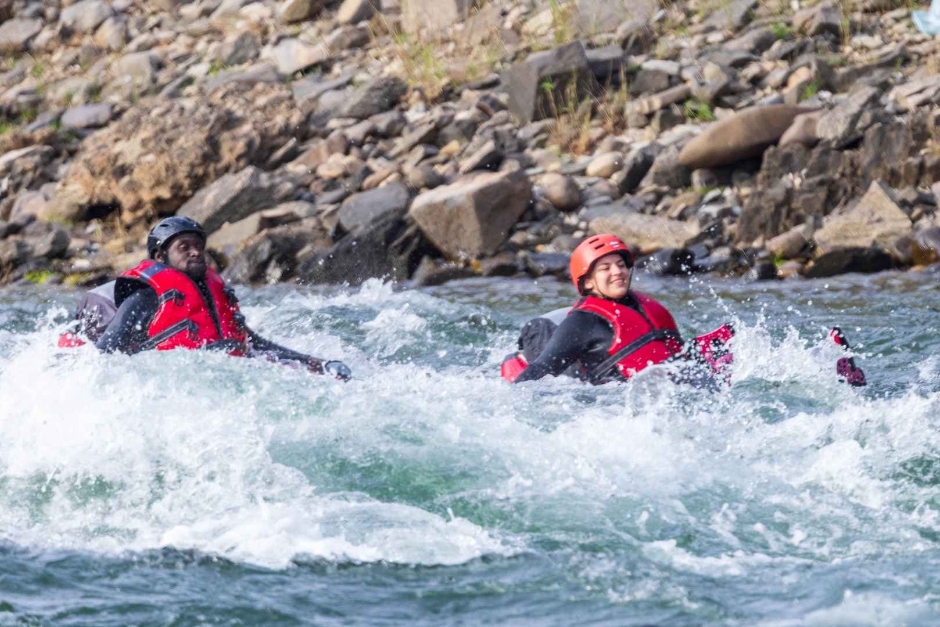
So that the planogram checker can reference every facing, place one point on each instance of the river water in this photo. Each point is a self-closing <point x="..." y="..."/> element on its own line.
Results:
<point x="190" y="488"/>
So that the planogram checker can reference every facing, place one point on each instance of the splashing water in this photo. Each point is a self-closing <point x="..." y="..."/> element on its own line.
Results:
<point x="192" y="488"/>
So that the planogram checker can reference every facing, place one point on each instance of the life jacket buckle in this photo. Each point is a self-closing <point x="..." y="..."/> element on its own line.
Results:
<point x="230" y="293"/>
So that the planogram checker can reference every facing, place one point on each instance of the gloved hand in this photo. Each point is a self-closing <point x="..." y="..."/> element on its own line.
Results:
<point x="338" y="369"/>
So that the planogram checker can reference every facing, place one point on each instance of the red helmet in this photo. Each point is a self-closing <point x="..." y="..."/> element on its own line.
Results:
<point x="592" y="249"/>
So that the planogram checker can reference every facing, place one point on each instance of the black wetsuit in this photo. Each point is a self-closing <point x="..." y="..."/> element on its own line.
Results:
<point x="127" y="331"/>
<point x="582" y="340"/>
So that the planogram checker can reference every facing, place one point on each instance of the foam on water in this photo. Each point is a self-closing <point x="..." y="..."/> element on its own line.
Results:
<point x="638" y="491"/>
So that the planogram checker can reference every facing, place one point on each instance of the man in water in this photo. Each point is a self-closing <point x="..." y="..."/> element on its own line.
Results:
<point x="174" y="299"/>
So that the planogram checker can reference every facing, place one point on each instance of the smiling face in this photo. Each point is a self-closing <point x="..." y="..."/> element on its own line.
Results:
<point x="186" y="253"/>
<point x="609" y="277"/>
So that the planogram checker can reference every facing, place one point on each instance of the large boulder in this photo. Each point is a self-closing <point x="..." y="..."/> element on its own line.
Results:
<point x="433" y="15"/>
<point x="875" y="220"/>
<point x="549" y="83"/>
<point x="472" y="217"/>
<point x="16" y="34"/>
<point x="87" y="116"/>
<point x="85" y="16"/>
<point x="648" y="233"/>
<point x="161" y="152"/>
<point x="236" y="196"/>
<point x="745" y="135"/>
<point x="272" y="255"/>
<point x="361" y="209"/>
<point x="386" y="248"/>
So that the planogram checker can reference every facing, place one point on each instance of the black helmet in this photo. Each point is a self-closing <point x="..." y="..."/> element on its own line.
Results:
<point x="167" y="229"/>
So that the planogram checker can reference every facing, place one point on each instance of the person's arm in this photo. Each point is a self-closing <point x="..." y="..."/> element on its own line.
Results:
<point x="575" y="337"/>
<point x="261" y="347"/>
<point x="127" y="331"/>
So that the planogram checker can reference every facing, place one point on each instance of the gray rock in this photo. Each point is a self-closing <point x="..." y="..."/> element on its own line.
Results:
<point x="667" y="171"/>
<point x="85" y="16"/>
<point x="605" y="16"/>
<point x="545" y="83"/>
<point x="546" y="264"/>
<point x="236" y="196"/>
<point x="87" y="116"/>
<point x="472" y="217"/>
<point x="376" y="97"/>
<point x="605" y="165"/>
<point x="635" y="36"/>
<point x="423" y="177"/>
<point x="822" y="19"/>
<point x="14" y="252"/>
<point x="875" y="220"/>
<point x="272" y="255"/>
<point x="261" y="73"/>
<point x="112" y="34"/>
<point x="757" y="41"/>
<point x="243" y="48"/>
<point x="140" y="66"/>
<point x="299" y="10"/>
<point x="312" y="87"/>
<point x="651" y="104"/>
<point x="704" y="179"/>
<point x="607" y="63"/>
<point x="792" y="243"/>
<point x="355" y="11"/>
<point x="293" y="55"/>
<point x="487" y="157"/>
<point x="649" y="81"/>
<point x="432" y="272"/>
<point x="648" y="233"/>
<point x="433" y="15"/>
<point x="842" y="125"/>
<point x="16" y="34"/>
<point x="348" y="37"/>
<point x="52" y="245"/>
<point x="763" y="271"/>
<point x="636" y="166"/>
<point x="386" y="248"/>
<point x="389" y="124"/>
<point x="560" y="190"/>
<point x="803" y="130"/>
<point x="844" y="260"/>
<point x="361" y="209"/>
<point x="732" y="15"/>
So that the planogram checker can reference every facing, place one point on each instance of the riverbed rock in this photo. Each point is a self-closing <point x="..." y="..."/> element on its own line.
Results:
<point x="377" y="96"/>
<point x="560" y="190"/>
<point x="472" y="217"/>
<point x="842" y="125"/>
<point x="293" y="55"/>
<point x="361" y="209"/>
<point x="605" y="165"/>
<point x="648" y="233"/>
<point x="271" y="255"/>
<point x="845" y="260"/>
<point x="745" y="135"/>
<point x="668" y="171"/>
<point x="433" y="15"/>
<point x="546" y="82"/>
<point x="875" y="220"/>
<point x="925" y="249"/>
<point x="87" y="116"/>
<point x="355" y="11"/>
<point x="85" y="16"/>
<point x="605" y="16"/>
<point x="792" y="243"/>
<point x="292" y="11"/>
<point x="16" y="34"/>
<point x="387" y="248"/>
<point x="803" y="130"/>
<point x="235" y="196"/>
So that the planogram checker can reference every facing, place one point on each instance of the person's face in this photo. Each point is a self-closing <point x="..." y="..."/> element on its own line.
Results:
<point x="610" y="277"/>
<point x="186" y="253"/>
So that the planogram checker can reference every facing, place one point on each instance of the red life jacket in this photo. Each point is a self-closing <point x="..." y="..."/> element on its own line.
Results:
<point x="643" y="337"/>
<point x="184" y="319"/>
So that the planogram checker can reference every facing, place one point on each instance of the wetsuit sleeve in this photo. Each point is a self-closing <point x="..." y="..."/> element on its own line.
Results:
<point x="260" y="347"/>
<point x="579" y="334"/>
<point x="127" y="331"/>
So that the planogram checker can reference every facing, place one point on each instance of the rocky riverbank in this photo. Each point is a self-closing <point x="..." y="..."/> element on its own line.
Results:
<point x="426" y="140"/>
